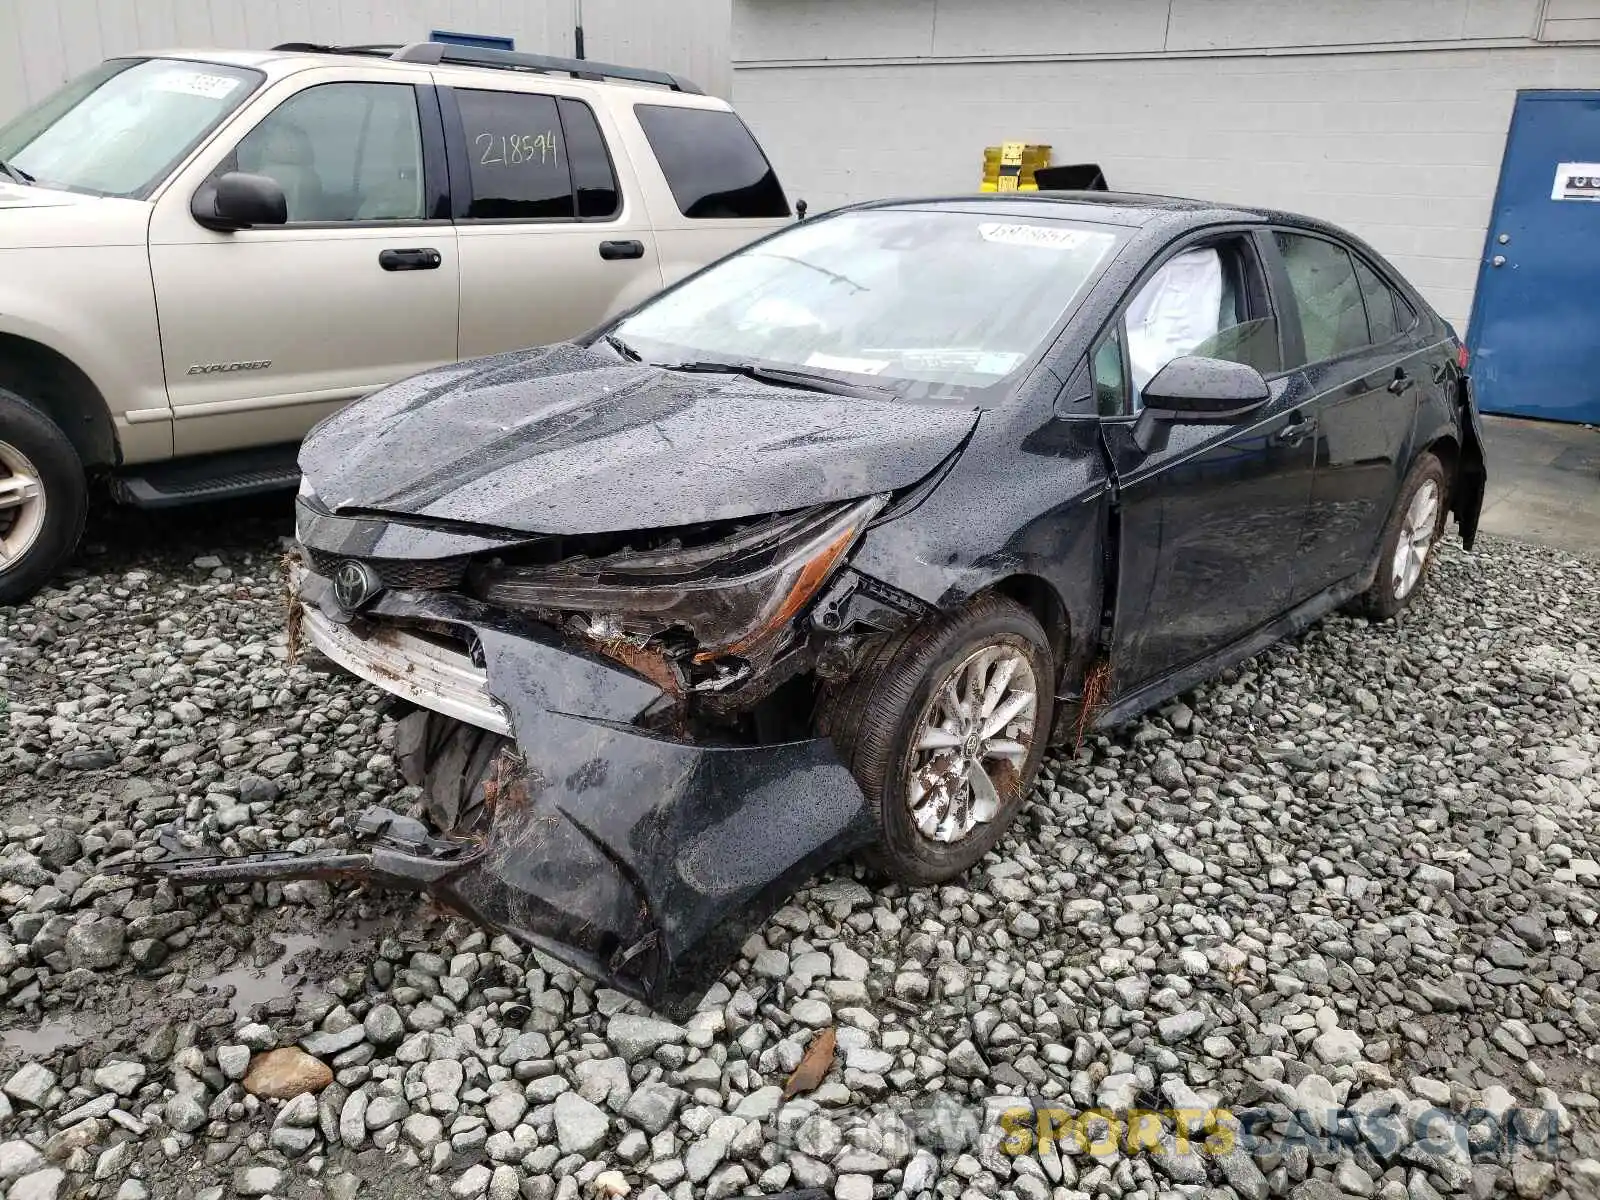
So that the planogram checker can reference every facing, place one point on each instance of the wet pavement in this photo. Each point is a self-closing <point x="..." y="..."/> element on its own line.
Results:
<point x="1544" y="483"/>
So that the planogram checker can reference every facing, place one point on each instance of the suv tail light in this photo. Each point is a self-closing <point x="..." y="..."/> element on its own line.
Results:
<point x="1461" y="356"/>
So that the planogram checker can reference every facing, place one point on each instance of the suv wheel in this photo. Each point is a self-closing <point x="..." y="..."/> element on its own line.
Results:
<point x="43" y="498"/>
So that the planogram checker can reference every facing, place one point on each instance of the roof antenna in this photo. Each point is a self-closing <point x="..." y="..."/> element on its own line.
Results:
<point x="577" y="28"/>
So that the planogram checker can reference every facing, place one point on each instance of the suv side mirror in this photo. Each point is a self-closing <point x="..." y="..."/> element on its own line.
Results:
<point x="238" y="200"/>
<point x="1200" y="391"/>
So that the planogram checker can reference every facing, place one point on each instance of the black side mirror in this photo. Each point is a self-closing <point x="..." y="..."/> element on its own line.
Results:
<point x="1198" y="391"/>
<point x="800" y="209"/>
<point x="238" y="200"/>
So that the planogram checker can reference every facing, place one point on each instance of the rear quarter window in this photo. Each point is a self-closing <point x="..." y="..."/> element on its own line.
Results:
<point x="712" y="164"/>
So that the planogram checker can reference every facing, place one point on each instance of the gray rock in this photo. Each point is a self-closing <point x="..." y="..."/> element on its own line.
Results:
<point x="505" y="1110"/>
<point x="652" y="1107"/>
<point x="97" y="945"/>
<point x="257" y="1180"/>
<point x="30" y="1084"/>
<point x="122" y="1078"/>
<point x="1182" y="1026"/>
<point x="384" y="1110"/>
<point x="472" y="1182"/>
<point x="636" y="1037"/>
<point x="233" y="1061"/>
<point x="323" y="1044"/>
<point x="186" y="1111"/>
<point x="580" y="1126"/>
<point x="383" y="1025"/>
<point x="422" y="1130"/>
<point x="38" y="1185"/>
<point x="18" y="1158"/>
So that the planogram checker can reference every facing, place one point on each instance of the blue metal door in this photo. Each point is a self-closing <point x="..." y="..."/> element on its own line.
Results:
<point x="1535" y="331"/>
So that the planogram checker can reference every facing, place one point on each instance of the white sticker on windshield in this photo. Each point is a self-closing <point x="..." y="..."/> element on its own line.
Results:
<point x="978" y="362"/>
<point x="835" y="362"/>
<point x="1047" y="236"/>
<point x="193" y="83"/>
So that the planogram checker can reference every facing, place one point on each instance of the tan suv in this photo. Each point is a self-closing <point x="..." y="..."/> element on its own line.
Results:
<point x="202" y="253"/>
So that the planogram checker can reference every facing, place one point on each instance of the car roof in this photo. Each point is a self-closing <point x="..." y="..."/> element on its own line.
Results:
<point x="1133" y="209"/>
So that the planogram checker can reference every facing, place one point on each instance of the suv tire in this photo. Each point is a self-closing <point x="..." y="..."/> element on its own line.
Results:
<point x="44" y="498"/>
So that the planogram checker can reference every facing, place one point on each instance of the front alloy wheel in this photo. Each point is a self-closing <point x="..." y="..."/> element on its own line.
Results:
<point x="21" y="504"/>
<point x="943" y="726"/>
<point x="975" y="729"/>
<point x="43" y="498"/>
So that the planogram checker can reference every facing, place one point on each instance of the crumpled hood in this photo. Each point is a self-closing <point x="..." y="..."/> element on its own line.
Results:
<point x="564" y="440"/>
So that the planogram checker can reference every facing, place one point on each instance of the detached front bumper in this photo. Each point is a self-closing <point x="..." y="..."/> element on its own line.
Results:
<point x="639" y="859"/>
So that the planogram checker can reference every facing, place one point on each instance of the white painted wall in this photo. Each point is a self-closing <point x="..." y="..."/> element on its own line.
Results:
<point x="1386" y="116"/>
<point x="45" y="42"/>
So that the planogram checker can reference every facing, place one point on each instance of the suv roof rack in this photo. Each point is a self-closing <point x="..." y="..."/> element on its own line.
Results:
<point x="377" y="50"/>
<point x="436" y="53"/>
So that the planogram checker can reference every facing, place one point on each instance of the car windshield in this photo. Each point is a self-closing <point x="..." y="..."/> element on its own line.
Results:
<point x="121" y="128"/>
<point x="930" y="303"/>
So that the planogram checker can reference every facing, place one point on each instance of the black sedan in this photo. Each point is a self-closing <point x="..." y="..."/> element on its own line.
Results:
<point x="816" y="551"/>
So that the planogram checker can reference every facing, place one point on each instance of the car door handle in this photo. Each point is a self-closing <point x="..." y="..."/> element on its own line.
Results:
<point x="624" y="249"/>
<point x="423" y="258"/>
<point x="1400" y="382"/>
<point x="1293" y="435"/>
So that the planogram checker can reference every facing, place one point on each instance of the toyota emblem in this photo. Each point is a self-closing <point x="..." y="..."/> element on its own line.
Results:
<point x="355" y="584"/>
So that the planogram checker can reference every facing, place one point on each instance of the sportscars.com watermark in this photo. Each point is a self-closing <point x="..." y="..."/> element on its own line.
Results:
<point x="1011" y="1126"/>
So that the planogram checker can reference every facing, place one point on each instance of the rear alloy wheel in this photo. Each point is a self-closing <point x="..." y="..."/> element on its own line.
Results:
<point x="43" y="498"/>
<point x="1409" y="538"/>
<point x="944" y="727"/>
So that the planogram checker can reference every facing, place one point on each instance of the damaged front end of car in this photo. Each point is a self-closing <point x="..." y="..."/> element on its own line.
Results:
<point x="613" y="733"/>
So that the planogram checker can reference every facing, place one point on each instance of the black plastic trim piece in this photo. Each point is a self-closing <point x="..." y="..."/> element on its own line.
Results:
<point x="434" y="54"/>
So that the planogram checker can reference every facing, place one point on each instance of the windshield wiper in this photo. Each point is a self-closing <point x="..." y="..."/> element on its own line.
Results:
<point x="622" y="348"/>
<point x="15" y="173"/>
<point x="782" y="377"/>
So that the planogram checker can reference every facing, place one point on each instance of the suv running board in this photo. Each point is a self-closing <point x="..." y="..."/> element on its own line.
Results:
<point x="213" y="477"/>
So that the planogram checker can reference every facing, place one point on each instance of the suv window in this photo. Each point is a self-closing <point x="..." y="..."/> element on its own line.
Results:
<point x="593" y="178"/>
<point x="712" y="164"/>
<point x="1388" y="315"/>
<point x="517" y="156"/>
<point x="341" y="152"/>
<point x="121" y="128"/>
<point x="1322" y="280"/>
<point x="1208" y="301"/>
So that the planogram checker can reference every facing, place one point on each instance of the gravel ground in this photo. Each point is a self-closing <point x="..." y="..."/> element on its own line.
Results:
<point x="1361" y="873"/>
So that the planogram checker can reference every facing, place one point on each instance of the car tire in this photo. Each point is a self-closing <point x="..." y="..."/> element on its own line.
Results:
<point x="455" y="765"/>
<point x="39" y="532"/>
<point x="877" y="718"/>
<point x="1400" y="577"/>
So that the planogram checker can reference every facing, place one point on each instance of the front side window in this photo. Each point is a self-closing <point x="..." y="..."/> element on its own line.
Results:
<point x="1110" y="382"/>
<point x="341" y="152"/>
<point x="121" y="129"/>
<point x="1204" y="302"/>
<point x="1323" y="286"/>
<point x="932" y="300"/>
<point x="713" y="166"/>
<point x="517" y="156"/>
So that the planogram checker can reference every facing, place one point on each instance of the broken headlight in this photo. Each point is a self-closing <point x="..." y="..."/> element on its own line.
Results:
<point x="731" y="594"/>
